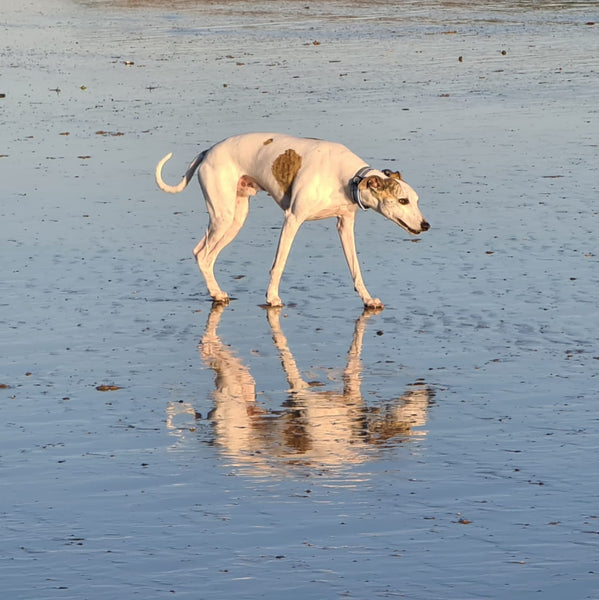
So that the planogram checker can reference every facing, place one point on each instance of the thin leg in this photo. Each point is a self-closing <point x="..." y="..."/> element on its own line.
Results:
<point x="345" y="227"/>
<point x="221" y="231"/>
<point x="290" y="228"/>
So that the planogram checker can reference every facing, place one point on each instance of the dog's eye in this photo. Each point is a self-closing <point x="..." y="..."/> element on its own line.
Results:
<point x="403" y="201"/>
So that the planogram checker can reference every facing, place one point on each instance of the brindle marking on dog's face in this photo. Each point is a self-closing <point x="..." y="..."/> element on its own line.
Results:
<point x="285" y="168"/>
<point x="383" y="189"/>
<point x="388" y="190"/>
<point x="268" y="141"/>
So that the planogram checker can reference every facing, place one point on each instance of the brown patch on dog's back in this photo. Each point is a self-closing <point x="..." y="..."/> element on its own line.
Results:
<point x="268" y="141"/>
<point x="285" y="168"/>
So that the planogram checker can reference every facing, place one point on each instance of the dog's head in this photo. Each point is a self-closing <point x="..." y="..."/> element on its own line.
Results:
<point x="393" y="198"/>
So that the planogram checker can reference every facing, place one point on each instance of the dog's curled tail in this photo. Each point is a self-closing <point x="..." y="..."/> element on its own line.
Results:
<point x="175" y="189"/>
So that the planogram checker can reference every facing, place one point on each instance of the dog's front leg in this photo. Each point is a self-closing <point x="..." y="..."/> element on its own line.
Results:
<point x="345" y="227"/>
<point x="290" y="227"/>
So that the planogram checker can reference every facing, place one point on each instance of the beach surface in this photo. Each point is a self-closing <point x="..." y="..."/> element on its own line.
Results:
<point x="153" y="446"/>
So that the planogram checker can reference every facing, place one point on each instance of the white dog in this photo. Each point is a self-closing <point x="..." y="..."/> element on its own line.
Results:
<point x="309" y="179"/>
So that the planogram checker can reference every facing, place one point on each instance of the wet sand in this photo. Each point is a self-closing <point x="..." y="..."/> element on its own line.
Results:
<point x="445" y="447"/>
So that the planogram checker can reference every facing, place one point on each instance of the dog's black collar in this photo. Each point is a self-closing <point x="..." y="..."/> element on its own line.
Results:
<point x="355" y="182"/>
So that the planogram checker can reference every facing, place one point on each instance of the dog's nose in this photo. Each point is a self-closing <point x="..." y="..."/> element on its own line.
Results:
<point x="424" y="226"/>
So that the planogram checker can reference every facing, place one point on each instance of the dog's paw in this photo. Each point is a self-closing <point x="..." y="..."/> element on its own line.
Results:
<point x="374" y="303"/>
<point x="221" y="298"/>
<point x="274" y="302"/>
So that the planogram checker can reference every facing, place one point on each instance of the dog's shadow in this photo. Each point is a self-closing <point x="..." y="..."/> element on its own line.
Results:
<point x="313" y="426"/>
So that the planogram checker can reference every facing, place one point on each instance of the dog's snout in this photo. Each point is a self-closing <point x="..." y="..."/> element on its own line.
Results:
<point x="424" y="226"/>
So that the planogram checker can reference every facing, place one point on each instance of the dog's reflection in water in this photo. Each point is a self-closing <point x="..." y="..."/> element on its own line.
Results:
<point x="313" y="426"/>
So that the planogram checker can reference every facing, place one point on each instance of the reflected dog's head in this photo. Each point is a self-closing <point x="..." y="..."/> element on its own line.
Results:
<point x="393" y="198"/>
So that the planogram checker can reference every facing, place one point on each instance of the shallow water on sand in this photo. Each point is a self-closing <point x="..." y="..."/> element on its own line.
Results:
<point x="445" y="447"/>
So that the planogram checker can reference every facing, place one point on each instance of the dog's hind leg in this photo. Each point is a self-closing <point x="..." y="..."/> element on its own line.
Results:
<point x="206" y="266"/>
<point x="225" y="222"/>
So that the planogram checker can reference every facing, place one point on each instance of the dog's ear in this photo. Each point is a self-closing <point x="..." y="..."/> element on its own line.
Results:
<point x="393" y="174"/>
<point x="374" y="182"/>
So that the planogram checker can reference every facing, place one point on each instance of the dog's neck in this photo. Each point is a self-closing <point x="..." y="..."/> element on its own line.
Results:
<point x="354" y="186"/>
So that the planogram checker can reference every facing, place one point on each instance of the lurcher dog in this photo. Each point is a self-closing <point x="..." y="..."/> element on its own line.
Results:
<point x="309" y="179"/>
